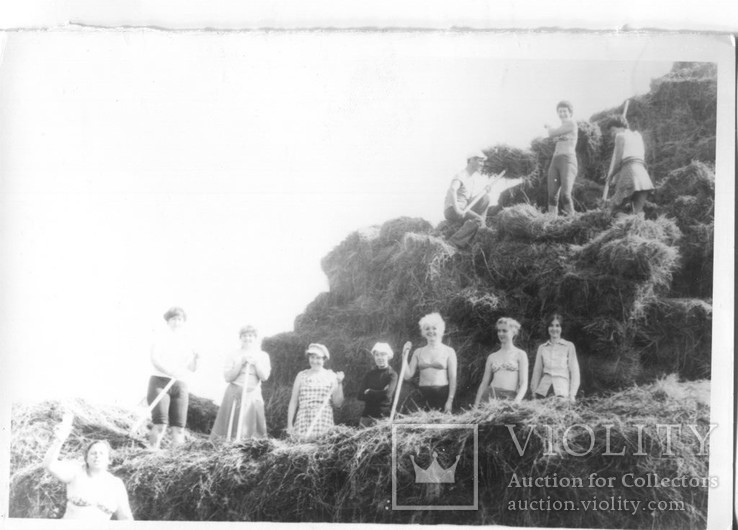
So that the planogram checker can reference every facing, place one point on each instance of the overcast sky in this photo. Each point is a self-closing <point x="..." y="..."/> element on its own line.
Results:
<point x="144" y="169"/>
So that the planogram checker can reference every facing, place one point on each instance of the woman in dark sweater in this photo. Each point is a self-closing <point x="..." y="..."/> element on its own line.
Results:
<point x="378" y="387"/>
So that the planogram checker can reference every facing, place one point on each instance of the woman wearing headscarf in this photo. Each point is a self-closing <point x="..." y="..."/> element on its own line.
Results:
<point x="241" y="414"/>
<point x="378" y="386"/>
<point x="314" y="394"/>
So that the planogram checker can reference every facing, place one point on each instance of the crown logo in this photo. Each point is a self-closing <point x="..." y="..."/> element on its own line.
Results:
<point x="435" y="474"/>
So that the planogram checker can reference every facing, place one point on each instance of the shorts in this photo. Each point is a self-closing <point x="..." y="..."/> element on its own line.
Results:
<point x="172" y="408"/>
<point x="435" y="396"/>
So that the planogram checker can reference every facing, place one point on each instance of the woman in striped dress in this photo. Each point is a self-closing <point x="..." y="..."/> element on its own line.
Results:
<point x="315" y="392"/>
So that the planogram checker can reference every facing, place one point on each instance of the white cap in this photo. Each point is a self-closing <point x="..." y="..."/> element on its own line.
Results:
<point x="383" y="347"/>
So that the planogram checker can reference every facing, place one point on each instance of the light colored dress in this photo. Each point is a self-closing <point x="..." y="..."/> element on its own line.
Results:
<point x="253" y="424"/>
<point x="313" y="405"/>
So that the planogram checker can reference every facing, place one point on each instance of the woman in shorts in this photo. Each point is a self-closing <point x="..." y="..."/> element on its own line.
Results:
<point x="174" y="360"/>
<point x="436" y="363"/>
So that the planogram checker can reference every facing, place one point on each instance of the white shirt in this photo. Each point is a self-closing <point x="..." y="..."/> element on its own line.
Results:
<point x="171" y="354"/>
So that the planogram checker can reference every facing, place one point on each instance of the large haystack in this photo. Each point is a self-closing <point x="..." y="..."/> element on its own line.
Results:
<point x="346" y="476"/>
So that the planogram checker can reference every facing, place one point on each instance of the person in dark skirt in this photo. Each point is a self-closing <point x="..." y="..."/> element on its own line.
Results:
<point x="378" y="386"/>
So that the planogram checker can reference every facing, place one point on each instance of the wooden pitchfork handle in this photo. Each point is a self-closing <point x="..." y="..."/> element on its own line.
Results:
<point x="241" y="410"/>
<point x="400" y="379"/>
<point x="153" y="404"/>
<point x="479" y="197"/>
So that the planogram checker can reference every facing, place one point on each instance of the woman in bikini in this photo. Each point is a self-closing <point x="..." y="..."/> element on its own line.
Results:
<point x="556" y="371"/>
<point x="507" y="367"/>
<point x="92" y="492"/>
<point x="436" y="364"/>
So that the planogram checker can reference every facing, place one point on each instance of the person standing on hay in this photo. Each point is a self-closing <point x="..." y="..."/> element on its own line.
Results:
<point x="562" y="172"/>
<point x="174" y="359"/>
<point x="459" y="206"/>
<point x="315" y="392"/>
<point x="436" y="364"/>
<point x="507" y="367"/>
<point x="556" y="370"/>
<point x="627" y="173"/>
<point x="93" y="493"/>
<point x="241" y="414"/>
<point x="378" y="386"/>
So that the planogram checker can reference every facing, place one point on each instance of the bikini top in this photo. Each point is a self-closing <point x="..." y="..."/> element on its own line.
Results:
<point x="510" y="366"/>
<point x="84" y="503"/>
<point x="436" y="364"/>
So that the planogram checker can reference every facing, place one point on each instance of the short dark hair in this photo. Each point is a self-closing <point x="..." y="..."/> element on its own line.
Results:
<point x="566" y="104"/>
<point x="614" y="121"/>
<point x="555" y="316"/>
<point x="174" y="312"/>
<point x="93" y="444"/>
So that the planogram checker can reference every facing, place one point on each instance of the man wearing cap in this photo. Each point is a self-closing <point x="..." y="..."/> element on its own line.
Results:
<point x="465" y="187"/>
<point x="378" y="387"/>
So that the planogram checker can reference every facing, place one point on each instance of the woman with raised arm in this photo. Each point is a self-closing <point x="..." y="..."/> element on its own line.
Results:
<point x="93" y="493"/>
<point x="241" y="414"/>
<point x="507" y="368"/>
<point x="556" y="371"/>
<point x="627" y="173"/>
<point x="436" y="363"/>
<point x="563" y="169"/>
<point x="315" y="392"/>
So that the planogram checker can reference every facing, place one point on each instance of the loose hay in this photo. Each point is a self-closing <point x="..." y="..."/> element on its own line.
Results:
<point x="346" y="475"/>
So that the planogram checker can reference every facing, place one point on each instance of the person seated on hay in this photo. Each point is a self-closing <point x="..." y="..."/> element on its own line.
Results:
<point x="93" y="493"/>
<point x="460" y="206"/>
<point x="556" y="370"/>
<point x="174" y="359"/>
<point x="436" y="363"/>
<point x="563" y="168"/>
<point x="627" y="173"/>
<point x="507" y="367"/>
<point x="378" y="386"/>
<point x="315" y="392"/>
<point x="244" y="370"/>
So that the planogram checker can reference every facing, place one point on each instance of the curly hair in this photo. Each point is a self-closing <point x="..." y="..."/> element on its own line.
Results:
<point x="511" y="323"/>
<point x="565" y="104"/>
<point x="433" y="318"/>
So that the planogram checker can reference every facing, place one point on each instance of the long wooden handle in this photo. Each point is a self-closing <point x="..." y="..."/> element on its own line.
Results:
<point x="400" y="379"/>
<point x="241" y="410"/>
<point x="320" y="412"/>
<point x="161" y="394"/>
<point x="478" y="198"/>
<point x="153" y="404"/>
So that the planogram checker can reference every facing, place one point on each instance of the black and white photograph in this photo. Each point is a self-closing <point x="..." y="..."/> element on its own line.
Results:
<point x="367" y="276"/>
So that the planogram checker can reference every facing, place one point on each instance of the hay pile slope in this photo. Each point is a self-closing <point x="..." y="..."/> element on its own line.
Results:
<point x="611" y="277"/>
<point x="346" y="476"/>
